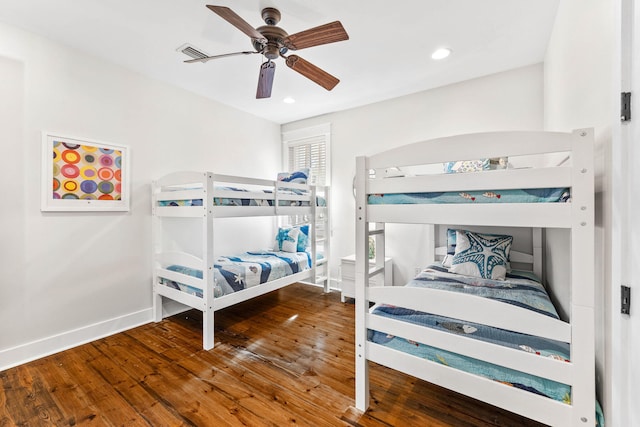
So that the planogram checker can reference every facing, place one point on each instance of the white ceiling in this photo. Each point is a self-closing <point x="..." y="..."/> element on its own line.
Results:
<point x="388" y="53"/>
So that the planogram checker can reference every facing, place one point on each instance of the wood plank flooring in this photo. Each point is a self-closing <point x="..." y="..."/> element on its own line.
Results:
<point x="286" y="358"/>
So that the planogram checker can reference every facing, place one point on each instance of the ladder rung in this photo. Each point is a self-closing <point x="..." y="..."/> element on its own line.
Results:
<point x="374" y="271"/>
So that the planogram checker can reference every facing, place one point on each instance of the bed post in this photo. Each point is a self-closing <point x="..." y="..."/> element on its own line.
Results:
<point x="155" y="224"/>
<point x="537" y="253"/>
<point x="326" y="247"/>
<point x="582" y="279"/>
<point x="362" y="282"/>
<point x="207" y="268"/>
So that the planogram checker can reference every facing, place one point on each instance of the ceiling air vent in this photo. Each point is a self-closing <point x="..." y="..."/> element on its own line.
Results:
<point x="191" y="51"/>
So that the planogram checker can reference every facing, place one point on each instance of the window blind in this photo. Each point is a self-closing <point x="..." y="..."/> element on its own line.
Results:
<point x="309" y="153"/>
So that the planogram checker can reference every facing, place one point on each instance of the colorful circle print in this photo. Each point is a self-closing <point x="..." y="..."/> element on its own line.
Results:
<point x="105" y="187"/>
<point x="70" y="186"/>
<point x="88" y="187"/>
<point x="106" y="161"/>
<point x="70" y="171"/>
<point x="86" y="172"/>
<point x="71" y="156"/>
<point x="105" y="174"/>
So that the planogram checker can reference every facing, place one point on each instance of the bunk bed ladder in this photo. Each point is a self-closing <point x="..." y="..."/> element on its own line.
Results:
<point x="322" y="217"/>
<point x="376" y="230"/>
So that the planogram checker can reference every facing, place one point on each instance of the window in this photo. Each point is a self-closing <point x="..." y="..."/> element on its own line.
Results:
<point x="309" y="148"/>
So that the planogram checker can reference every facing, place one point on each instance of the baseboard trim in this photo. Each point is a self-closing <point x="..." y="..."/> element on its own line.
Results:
<point x="34" y="350"/>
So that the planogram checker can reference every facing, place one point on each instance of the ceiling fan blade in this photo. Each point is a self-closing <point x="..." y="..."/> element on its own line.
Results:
<point x="327" y="33"/>
<point x="311" y="72"/>
<point x="234" y="19"/>
<point x="224" y="55"/>
<point x="265" y="81"/>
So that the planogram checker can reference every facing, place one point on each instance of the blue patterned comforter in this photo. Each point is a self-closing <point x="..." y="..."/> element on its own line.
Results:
<point x="531" y="195"/>
<point x="519" y="288"/>
<point x="235" y="273"/>
<point x="239" y="201"/>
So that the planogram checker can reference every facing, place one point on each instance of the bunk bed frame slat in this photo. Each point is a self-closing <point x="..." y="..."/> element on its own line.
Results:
<point x="472" y="308"/>
<point x="516" y="359"/>
<point x="558" y="177"/>
<point x="472" y="146"/>
<point x="519" y="401"/>
<point x="549" y="215"/>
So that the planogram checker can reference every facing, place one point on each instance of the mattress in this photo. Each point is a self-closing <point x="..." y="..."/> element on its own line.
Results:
<point x="235" y="273"/>
<point x="530" y="195"/>
<point x="240" y="201"/>
<point x="519" y="288"/>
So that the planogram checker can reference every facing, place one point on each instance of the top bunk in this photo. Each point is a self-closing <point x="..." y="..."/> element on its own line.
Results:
<point x="202" y="194"/>
<point x="515" y="178"/>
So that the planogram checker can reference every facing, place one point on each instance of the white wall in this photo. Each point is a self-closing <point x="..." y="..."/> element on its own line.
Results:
<point x="512" y="100"/>
<point x="580" y="92"/>
<point x="70" y="277"/>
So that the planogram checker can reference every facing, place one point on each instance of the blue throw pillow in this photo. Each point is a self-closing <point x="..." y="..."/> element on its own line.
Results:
<point x="287" y="240"/>
<point x="303" y="238"/>
<point x="481" y="255"/>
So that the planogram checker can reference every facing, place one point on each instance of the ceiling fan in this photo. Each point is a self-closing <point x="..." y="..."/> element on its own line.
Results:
<point x="273" y="42"/>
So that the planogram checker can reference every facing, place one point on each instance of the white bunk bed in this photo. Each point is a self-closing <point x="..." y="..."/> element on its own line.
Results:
<point x="576" y="216"/>
<point x="200" y="198"/>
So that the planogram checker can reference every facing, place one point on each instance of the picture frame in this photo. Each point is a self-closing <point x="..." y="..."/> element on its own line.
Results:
<point x="80" y="174"/>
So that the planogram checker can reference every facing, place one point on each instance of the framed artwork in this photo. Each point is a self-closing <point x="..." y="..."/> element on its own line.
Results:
<point x="83" y="175"/>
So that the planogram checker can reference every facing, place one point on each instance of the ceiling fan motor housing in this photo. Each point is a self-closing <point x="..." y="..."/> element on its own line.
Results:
<point x="275" y="41"/>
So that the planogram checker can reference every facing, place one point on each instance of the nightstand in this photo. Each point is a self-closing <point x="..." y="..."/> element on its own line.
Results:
<point x="348" y="276"/>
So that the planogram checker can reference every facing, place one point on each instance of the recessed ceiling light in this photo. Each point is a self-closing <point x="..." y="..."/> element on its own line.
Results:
<point x="288" y="100"/>
<point x="441" y="53"/>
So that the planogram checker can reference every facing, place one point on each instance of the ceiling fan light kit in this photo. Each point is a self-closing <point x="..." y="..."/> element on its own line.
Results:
<point x="441" y="53"/>
<point x="273" y="42"/>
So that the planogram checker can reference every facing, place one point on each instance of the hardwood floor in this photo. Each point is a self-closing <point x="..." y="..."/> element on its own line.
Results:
<point x="285" y="358"/>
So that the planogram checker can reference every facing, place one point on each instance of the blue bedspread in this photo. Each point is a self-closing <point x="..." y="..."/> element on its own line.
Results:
<point x="519" y="289"/>
<point x="531" y="195"/>
<point x="234" y="273"/>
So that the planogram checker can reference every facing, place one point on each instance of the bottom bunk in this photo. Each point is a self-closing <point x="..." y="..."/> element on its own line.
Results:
<point x="520" y="288"/>
<point x="243" y="271"/>
<point x="482" y="361"/>
<point x="227" y="280"/>
<point x="179" y="277"/>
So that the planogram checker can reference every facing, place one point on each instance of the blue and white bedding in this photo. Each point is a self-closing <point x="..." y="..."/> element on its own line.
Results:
<point x="235" y="273"/>
<point x="519" y="288"/>
<point x="531" y="195"/>
<point x="239" y="201"/>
